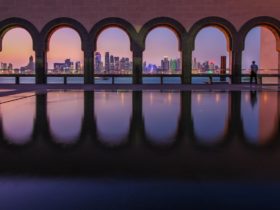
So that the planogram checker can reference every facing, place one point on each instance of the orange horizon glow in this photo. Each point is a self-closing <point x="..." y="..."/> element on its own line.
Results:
<point x="65" y="43"/>
<point x="16" y="47"/>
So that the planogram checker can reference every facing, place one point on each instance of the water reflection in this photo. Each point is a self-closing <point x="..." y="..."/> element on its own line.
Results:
<point x="113" y="112"/>
<point x="161" y="112"/>
<point x="210" y="112"/>
<point x="160" y="118"/>
<point x="65" y="112"/>
<point x="260" y="116"/>
<point x="18" y="120"/>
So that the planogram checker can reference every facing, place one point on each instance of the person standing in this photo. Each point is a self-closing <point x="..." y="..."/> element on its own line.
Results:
<point x="254" y="71"/>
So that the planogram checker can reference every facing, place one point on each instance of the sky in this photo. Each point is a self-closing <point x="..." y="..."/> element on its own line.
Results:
<point x="65" y="43"/>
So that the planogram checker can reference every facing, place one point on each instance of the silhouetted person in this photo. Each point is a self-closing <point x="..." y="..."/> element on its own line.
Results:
<point x="254" y="71"/>
<point x="253" y="98"/>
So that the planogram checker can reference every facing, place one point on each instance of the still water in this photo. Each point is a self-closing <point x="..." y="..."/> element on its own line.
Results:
<point x="183" y="137"/>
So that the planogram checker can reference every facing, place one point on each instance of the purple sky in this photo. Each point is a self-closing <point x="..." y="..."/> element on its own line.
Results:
<point x="65" y="43"/>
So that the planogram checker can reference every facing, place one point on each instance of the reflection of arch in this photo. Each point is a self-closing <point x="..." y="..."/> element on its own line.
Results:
<point x="222" y="24"/>
<point x="113" y="126"/>
<point x="57" y="23"/>
<point x="112" y="22"/>
<point x="271" y="23"/>
<point x="259" y="127"/>
<point x="10" y="23"/>
<point x="222" y="138"/>
<point x="170" y="23"/>
<point x="161" y="114"/>
<point x="65" y="127"/>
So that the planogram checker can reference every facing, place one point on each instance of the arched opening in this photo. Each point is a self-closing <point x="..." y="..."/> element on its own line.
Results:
<point x="17" y="56"/>
<point x="18" y="119"/>
<point x="64" y="56"/>
<point x="113" y="112"/>
<point x="261" y="47"/>
<point x="65" y="112"/>
<point x="162" y="56"/>
<point x="161" y="111"/>
<point x="259" y="124"/>
<point x="205" y="108"/>
<point x="211" y="55"/>
<point x="113" y="57"/>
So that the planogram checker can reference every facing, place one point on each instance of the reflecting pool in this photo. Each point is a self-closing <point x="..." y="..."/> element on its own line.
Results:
<point x="146" y="138"/>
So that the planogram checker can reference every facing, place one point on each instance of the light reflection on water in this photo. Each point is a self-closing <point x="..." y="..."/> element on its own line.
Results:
<point x="260" y="115"/>
<point x="161" y="112"/>
<point x="17" y="119"/>
<point x="161" y="115"/>
<point x="65" y="112"/>
<point x="113" y="112"/>
<point x="210" y="112"/>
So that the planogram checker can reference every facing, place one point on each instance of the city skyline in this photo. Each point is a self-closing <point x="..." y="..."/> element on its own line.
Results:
<point x="158" y="41"/>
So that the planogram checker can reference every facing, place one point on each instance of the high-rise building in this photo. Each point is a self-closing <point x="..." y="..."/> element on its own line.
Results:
<point x="10" y="66"/>
<point x="223" y="64"/>
<point x="78" y="66"/>
<point x="117" y="63"/>
<point x="30" y="67"/>
<point x="194" y="66"/>
<point x="179" y="64"/>
<point x="112" y="63"/>
<point x="107" y="61"/>
<point x="126" y="66"/>
<point x="144" y="66"/>
<point x="4" y="66"/>
<point x="165" y="64"/>
<point x="211" y="66"/>
<point x="68" y="64"/>
<point x="173" y="65"/>
<point x="98" y="62"/>
<point x="122" y="64"/>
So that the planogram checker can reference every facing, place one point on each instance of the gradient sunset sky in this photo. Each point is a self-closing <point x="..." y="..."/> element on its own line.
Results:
<point x="65" y="43"/>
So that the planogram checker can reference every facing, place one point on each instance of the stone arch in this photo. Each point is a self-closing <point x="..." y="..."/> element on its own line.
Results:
<point x="168" y="22"/>
<point x="271" y="23"/>
<point x="57" y="23"/>
<point x="222" y="24"/>
<point x="7" y="24"/>
<point x="113" y="22"/>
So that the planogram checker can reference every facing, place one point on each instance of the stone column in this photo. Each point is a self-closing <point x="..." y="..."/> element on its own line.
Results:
<point x="137" y="65"/>
<point x="236" y="65"/>
<point x="88" y="67"/>
<point x="186" y="61"/>
<point x="41" y="125"/>
<point x="236" y="124"/>
<point x="40" y="66"/>
<point x="137" y="121"/>
<point x="185" y="122"/>
<point x="89" y="124"/>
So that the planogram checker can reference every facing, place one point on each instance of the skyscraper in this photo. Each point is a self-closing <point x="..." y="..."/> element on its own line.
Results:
<point x="78" y="66"/>
<point x="107" y="61"/>
<point x="165" y="64"/>
<point x="122" y="64"/>
<point x="173" y="65"/>
<point x="112" y="63"/>
<point x="98" y="61"/>
<point x="126" y="67"/>
<point x="179" y="64"/>
<point x="30" y="66"/>
<point x="117" y="63"/>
